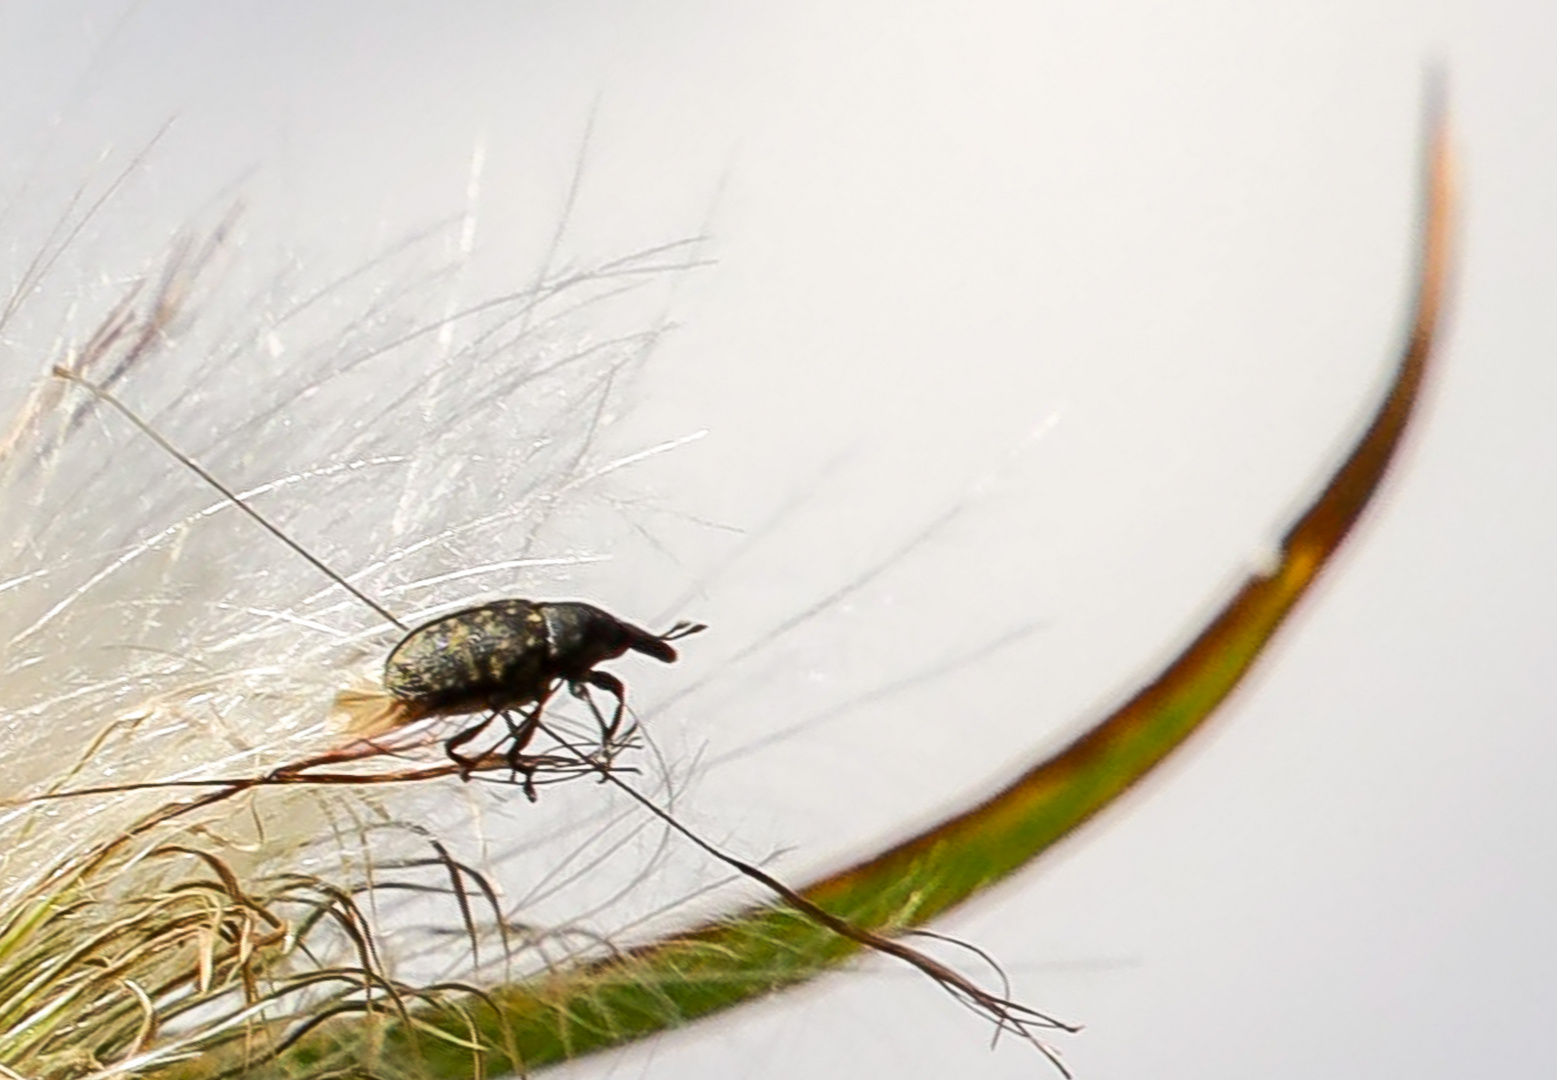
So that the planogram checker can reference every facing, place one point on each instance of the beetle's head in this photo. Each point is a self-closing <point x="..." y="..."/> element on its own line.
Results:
<point x="582" y="636"/>
<point x="658" y="645"/>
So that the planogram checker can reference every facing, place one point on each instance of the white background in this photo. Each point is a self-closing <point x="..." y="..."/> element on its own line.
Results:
<point x="1119" y="279"/>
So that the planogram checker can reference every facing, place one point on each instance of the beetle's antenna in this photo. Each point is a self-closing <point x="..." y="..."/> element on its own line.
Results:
<point x="684" y="628"/>
<point x="232" y="496"/>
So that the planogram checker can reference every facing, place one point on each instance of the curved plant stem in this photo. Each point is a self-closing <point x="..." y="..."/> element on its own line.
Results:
<point x="563" y="1014"/>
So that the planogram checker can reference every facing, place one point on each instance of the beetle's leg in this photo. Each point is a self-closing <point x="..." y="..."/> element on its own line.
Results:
<point x="511" y="755"/>
<point x="452" y="744"/>
<point x="604" y="680"/>
<point x="520" y="735"/>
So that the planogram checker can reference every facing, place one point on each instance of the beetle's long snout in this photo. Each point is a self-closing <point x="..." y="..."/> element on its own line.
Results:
<point x="658" y="645"/>
<point x="651" y="645"/>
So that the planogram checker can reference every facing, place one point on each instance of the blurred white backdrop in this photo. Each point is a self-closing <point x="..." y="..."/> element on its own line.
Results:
<point x="1117" y="280"/>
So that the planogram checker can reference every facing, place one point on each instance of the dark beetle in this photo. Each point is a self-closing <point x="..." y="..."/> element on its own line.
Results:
<point x="511" y="653"/>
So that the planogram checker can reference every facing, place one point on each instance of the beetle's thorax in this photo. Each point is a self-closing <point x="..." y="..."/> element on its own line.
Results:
<point x="580" y="635"/>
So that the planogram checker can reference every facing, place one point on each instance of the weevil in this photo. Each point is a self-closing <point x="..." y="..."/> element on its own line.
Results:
<point x="501" y="656"/>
